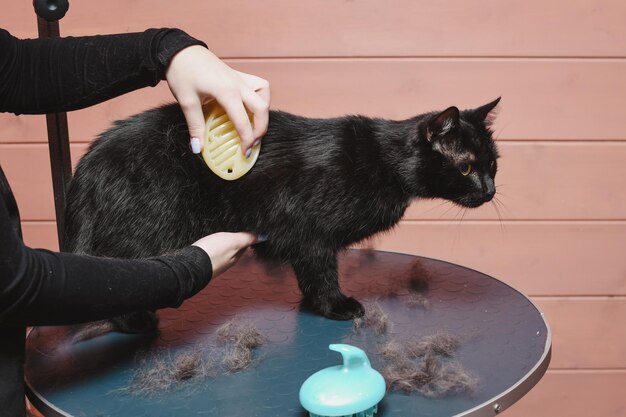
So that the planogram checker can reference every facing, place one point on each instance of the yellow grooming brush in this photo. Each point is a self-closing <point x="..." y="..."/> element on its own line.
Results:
<point x="222" y="150"/>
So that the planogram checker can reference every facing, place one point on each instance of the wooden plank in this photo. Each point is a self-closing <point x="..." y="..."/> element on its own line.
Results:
<point x="541" y="98"/>
<point x="365" y="28"/>
<point x="537" y="258"/>
<point x="537" y="181"/>
<point x="32" y="128"/>
<point x="548" y="180"/>
<point x="556" y="258"/>
<point x="587" y="332"/>
<point x="23" y="128"/>
<point x="42" y="235"/>
<point x="27" y="167"/>
<point x="574" y="394"/>
<point x="584" y="331"/>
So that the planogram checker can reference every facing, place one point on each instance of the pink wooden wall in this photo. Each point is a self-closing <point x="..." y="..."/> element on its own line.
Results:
<point x="561" y="69"/>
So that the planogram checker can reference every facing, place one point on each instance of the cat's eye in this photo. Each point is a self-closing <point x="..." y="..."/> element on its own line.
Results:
<point x="466" y="169"/>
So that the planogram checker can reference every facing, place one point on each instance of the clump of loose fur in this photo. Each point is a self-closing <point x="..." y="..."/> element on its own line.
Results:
<point x="393" y="351"/>
<point x="234" y="352"/>
<point x="158" y="372"/>
<point x="417" y="300"/>
<point x="423" y="365"/>
<point x="415" y="279"/>
<point x="241" y="333"/>
<point x="241" y="339"/>
<point x="155" y="374"/>
<point x="236" y="358"/>
<point x="441" y="343"/>
<point x="375" y="318"/>
<point x="186" y="365"/>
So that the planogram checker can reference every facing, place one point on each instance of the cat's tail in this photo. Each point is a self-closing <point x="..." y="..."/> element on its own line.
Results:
<point x="93" y="330"/>
<point x="139" y="322"/>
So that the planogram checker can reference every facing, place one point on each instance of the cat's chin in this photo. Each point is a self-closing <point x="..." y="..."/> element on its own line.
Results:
<point x="471" y="203"/>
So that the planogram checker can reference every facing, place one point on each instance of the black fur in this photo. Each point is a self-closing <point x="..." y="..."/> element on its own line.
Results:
<point x="318" y="186"/>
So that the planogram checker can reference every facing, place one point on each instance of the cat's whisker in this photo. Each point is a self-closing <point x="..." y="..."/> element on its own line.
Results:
<point x="458" y="212"/>
<point x="499" y="189"/>
<point x="495" y="206"/>
<point x="462" y="211"/>
<point x="451" y="206"/>
<point x="502" y="206"/>
<point x="437" y="206"/>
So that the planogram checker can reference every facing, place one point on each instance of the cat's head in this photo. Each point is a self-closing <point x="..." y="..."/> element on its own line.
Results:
<point x="462" y="155"/>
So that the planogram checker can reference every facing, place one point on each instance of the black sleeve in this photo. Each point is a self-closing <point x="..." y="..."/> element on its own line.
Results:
<point x="62" y="74"/>
<point x="39" y="287"/>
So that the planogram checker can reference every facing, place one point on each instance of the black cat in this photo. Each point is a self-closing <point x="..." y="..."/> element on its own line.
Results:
<point x="318" y="186"/>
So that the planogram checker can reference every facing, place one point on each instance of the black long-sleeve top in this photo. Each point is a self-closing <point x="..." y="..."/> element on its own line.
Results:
<point x="39" y="287"/>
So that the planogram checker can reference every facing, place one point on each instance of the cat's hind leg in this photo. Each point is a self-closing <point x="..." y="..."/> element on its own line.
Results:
<point x="137" y="322"/>
<point x="145" y="322"/>
<point x="318" y="280"/>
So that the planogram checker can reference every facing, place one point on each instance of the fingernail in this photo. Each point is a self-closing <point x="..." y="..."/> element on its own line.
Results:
<point x="195" y="145"/>
<point x="248" y="153"/>
<point x="257" y="142"/>
<point x="261" y="238"/>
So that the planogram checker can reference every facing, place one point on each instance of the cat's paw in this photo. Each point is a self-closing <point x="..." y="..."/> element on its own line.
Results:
<point x="349" y="309"/>
<point x="337" y="308"/>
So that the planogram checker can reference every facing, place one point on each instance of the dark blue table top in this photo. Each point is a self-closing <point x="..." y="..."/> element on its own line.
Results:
<point x="506" y="343"/>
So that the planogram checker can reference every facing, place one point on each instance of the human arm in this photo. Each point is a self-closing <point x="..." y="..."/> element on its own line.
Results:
<point x="43" y="287"/>
<point x="33" y="61"/>
<point x="40" y="287"/>
<point x="63" y="74"/>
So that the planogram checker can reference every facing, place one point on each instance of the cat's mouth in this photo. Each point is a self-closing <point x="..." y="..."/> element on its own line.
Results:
<point x="470" y="204"/>
<point x="473" y="202"/>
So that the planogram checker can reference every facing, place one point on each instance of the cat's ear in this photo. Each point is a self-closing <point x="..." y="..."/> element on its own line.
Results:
<point x="484" y="113"/>
<point x="442" y="123"/>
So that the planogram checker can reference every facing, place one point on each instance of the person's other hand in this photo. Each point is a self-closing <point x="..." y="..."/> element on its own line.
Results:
<point x="195" y="76"/>
<point x="225" y="249"/>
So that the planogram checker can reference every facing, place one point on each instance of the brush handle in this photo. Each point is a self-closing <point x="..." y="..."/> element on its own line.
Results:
<point x="353" y="357"/>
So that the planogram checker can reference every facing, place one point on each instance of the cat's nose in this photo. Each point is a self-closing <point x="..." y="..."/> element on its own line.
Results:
<point x="489" y="188"/>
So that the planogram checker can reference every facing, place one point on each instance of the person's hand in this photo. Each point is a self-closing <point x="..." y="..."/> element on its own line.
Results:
<point x="195" y="76"/>
<point x="225" y="249"/>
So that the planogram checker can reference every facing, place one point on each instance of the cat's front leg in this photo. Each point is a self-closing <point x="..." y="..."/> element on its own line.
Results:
<point x="318" y="280"/>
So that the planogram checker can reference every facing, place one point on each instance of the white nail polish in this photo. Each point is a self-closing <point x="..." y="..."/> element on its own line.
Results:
<point x="195" y="145"/>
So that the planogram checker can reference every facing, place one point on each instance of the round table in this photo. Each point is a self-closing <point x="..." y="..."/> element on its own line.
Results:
<point x="505" y="342"/>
